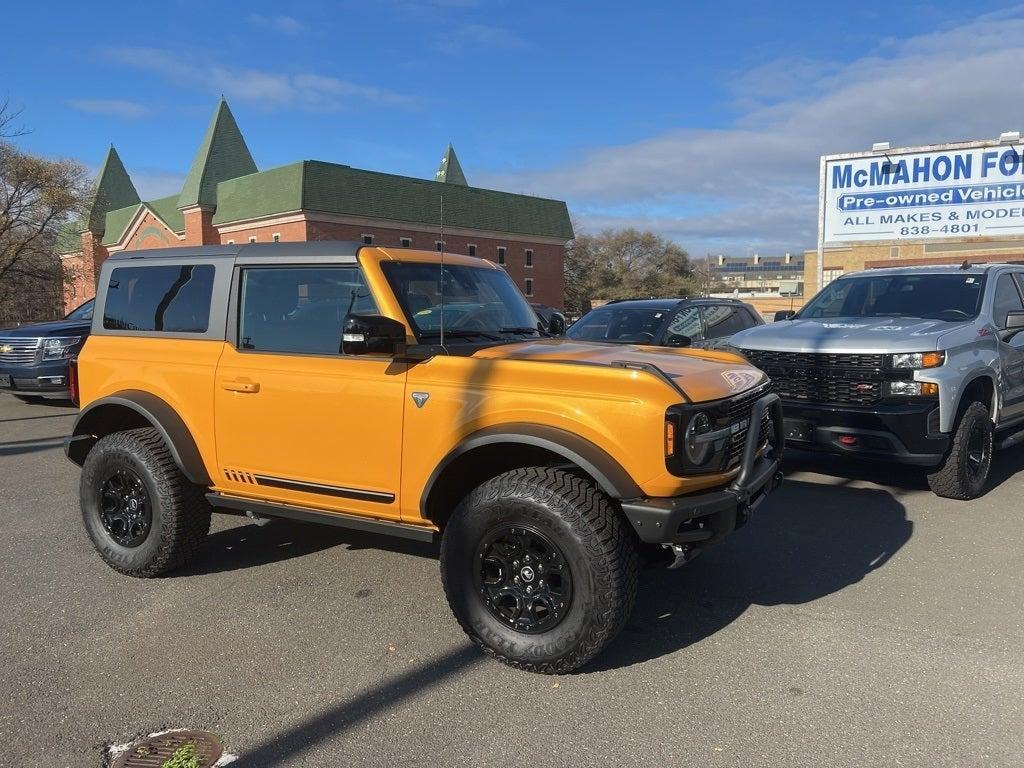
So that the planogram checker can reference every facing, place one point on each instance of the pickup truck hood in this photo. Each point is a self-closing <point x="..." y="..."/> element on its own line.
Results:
<point x="864" y="335"/>
<point x="702" y="374"/>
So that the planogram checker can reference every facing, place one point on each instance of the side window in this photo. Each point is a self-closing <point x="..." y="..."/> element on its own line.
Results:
<point x="160" y="299"/>
<point x="299" y="309"/>
<point x="686" y="322"/>
<point x="1006" y="298"/>
<point x="723" y="320"/>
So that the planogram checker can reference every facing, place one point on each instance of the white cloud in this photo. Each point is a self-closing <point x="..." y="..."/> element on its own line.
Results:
<point x="126" y="110"/>
<point x="758" y="176"/>
<point x="286" y="25"/>
<point x="270" y="90"/>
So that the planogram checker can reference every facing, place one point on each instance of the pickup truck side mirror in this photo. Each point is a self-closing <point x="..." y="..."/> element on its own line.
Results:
<point x="371" y="334"/>
<point x="784" y="314"/>
<point x="678" y="340"/>
<point x="1014" y="321"/>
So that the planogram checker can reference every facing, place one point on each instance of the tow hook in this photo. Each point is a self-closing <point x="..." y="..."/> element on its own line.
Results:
<point x="777" y="479"/>
<point x="681" y="553"/>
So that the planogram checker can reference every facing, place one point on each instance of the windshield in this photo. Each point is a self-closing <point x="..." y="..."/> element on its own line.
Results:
<point x="951" y="297"/>
<point x="83" y="312"/>
<point x="478" y="302"/>
<point x="635" y="325"/>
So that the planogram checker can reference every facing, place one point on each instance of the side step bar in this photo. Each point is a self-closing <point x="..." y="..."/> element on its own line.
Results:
<point x="306" y="515"/>
<point x="1010" y="440"/>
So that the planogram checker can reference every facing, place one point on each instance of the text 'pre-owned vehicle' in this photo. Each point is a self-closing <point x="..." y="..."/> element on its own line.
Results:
<point x="918" y="365"/>
<point x="410" y="393"/>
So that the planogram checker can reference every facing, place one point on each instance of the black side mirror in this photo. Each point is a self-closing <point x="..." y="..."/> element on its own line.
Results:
<point x="784" y="314"/>
<point x="678" y="340"/>
<point x="1014" y="320"/>
<point x="371" y="334"/>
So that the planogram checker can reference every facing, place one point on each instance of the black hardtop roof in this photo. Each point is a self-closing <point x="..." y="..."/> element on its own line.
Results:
<point x="310" y="249"/>
<point x="666" y="303"/>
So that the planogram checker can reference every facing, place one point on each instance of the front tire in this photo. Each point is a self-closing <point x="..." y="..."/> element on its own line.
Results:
<point x="963" y="473"/>
<point x="143" y="515"/>
<point x="539" y="569"/>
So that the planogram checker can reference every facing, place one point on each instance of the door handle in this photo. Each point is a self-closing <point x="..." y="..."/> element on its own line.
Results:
<point x="238" y="385"/>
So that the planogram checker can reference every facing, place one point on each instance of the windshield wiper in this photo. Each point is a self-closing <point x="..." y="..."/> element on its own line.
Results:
<point x="516" y="329"/>
<point x="464" y="334"/>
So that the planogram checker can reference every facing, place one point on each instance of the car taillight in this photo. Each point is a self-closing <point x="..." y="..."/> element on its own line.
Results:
<point x="73" y="380"/>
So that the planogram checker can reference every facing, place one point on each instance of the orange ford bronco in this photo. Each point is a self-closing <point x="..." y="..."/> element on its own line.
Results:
<point x="385" y="390"/>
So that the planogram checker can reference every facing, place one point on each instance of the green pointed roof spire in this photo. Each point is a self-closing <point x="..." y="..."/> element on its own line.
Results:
<point x="449" y="170"/>
<point x="223" y="155"/>
<point x="114" y="189"/>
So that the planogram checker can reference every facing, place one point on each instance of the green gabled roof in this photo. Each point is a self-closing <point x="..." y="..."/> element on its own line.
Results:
<point x="114" y="189"/>
<point x="165" y="209"/>
<point x="339" y="189"/>
<point x="223" y="155"/>
<point x="450" y="170"/>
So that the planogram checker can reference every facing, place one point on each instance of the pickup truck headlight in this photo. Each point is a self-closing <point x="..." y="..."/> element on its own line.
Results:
<point x="918" y="359"/>
<point x="912" y="388"/>
<point x="58" y="347"/>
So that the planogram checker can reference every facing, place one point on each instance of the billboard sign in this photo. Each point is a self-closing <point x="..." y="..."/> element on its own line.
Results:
<point x="952" y="193"/>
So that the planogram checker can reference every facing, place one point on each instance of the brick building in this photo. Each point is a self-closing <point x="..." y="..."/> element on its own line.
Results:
<point x="760" y="274"/>
<point x="227" y="199"/>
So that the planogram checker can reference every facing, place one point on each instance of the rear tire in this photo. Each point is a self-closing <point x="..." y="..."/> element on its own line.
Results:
<point x="963" y="473"/>
<point x="143" y="515"/>
<point x="507" y="536"/>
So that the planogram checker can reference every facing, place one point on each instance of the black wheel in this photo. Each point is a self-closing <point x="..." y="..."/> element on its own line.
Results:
<point x="539" y="569"/>
<point x="963" y="473"/>
<point x="143" y="515"/>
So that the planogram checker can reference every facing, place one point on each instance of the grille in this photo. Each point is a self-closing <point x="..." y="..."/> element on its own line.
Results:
<point x="22" y="350"/>
<point x="822" y="378"/>
<point x="739" y="409"/>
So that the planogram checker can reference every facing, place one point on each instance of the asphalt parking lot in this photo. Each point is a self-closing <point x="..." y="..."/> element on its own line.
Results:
<point x="857" y="621"/>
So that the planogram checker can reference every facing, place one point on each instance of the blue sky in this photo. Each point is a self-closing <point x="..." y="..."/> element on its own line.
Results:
<point x="700" y="120"/>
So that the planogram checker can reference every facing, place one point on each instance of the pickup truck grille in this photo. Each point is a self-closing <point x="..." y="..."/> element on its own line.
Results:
<point x="18" y="350"/>
<point x="822" y="378"/>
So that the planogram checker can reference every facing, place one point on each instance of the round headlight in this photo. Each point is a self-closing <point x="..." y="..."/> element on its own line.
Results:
<point x="697" y="452"/>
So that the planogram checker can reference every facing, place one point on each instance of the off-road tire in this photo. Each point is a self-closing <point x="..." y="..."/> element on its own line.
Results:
<point x="955" y="478"/>
<point x="599" y="547"/>
<point x="179" y="510"/>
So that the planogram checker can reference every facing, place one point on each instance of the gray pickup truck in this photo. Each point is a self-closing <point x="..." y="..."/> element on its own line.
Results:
<point x="916" y="365"/>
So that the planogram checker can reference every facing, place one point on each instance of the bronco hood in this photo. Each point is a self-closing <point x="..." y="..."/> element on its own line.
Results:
<point x="702" y="374"/>
<point x="859" y="335"/>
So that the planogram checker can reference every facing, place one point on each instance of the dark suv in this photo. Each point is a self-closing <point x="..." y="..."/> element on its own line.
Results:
<point x="704" y="323"/>
<point x="34" y="359"/>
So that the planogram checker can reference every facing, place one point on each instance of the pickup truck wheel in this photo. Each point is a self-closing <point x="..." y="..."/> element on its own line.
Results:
<point x="964" y="472"/>
<point x="539" y="569"/>
<point x="143" y="515"/>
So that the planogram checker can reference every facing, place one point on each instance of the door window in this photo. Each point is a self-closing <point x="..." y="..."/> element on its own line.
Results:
<point x="686" y="322"/>
<point x="299" y="309"/>
<point x="723" y="320"/>
<point x="1006" y="299"/>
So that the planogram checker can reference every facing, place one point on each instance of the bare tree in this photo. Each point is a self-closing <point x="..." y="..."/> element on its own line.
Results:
<point x="39" y="197"/>
<point x="622" y="264"/>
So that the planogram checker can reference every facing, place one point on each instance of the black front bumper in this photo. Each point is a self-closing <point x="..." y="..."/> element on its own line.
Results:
<point x="698" y="520"/>
<point x="49" y="379"/>
<point x="904" y="432"/>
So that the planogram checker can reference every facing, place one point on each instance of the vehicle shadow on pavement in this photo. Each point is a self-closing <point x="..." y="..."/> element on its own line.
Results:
<point x="16" y="447"/>
<point x="1005" y="464"/>
<point x="250" y="545"/>
<point x="809" y="540"/>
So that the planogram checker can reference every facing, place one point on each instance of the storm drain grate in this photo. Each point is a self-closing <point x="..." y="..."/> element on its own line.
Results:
<point x="174" y="749"/>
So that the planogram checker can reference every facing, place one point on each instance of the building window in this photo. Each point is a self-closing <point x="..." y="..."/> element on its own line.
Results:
<point x="231" y="242"/>
<point x="406" y="242"/>
<point x="367" y="239"/>
<point x="529" y="286"/>
<point x="276" y="237"/>
<point x="439" y="244"/>
<point x="501" y="255"/>
<point x="529" y="257"/>
<point x="252" y="238"/>
<point x="828" y="275"/>
<point x="472" y="249"/>
<point x="894" y="252"/>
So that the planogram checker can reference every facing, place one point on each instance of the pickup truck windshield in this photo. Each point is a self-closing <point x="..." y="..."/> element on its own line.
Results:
<point x="479" y="303"/>
<point x="951" y="297"/>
